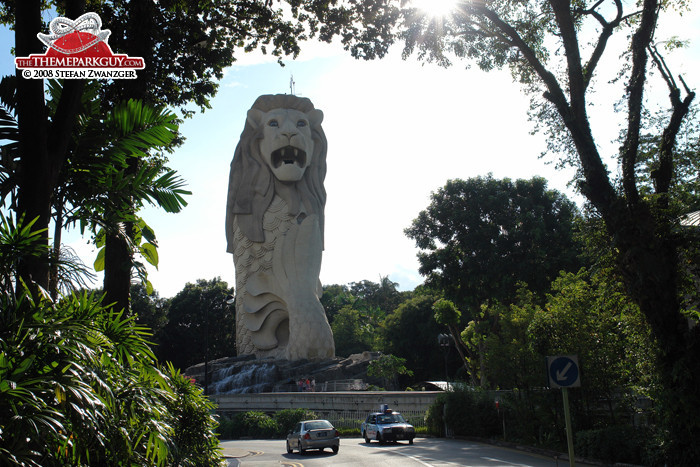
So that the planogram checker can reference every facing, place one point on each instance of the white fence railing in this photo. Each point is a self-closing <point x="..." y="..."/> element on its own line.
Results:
<point x="353" y="418"/>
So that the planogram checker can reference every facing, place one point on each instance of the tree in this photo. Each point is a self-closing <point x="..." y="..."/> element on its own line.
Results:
<point x="411" y="332"/>
<point x="383" y="296"/>
<point x="480" y="237"/>
<point x="388" y="367"/>
<point x="334" y="298"/>
<point x="352" y="333"/>
<point x="149" y="309"/>
<point x="447" y="314"/>
<point x="554" y="48"/>
<point x="201" y="324"/>
<point x="356" y="312"/>
<point x="501" y="335"/>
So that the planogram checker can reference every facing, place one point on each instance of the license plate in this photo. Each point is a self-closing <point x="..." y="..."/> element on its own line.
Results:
<point x="322" y="434"/>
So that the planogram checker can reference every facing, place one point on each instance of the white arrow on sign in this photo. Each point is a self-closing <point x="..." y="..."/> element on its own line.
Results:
<point x="561" y="374"/>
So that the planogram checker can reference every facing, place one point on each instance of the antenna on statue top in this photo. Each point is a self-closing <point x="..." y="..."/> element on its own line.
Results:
<point x="292" y="83"/>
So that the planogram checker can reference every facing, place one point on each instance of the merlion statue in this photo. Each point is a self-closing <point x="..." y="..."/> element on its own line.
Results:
<point x="274" y="228"/>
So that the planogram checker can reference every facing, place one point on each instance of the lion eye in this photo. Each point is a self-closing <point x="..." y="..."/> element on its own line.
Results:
<point x="273" y="123"/>
<point x="301" y="123"/>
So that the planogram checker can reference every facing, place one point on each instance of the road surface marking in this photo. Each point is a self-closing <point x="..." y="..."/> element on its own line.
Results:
<point x="505" y="462"/>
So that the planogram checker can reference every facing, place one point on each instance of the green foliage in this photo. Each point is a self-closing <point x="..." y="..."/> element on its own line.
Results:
<point x="201" y="324"/>
<point x="615" y="444"/>
<point x="256" y="425"/>
<point x="149" y="309"/>
<point x="286" y="419"/>
<point x="79" y="385"/>
<point x="388" y="367"/>
<point x="480" y="237"/>
<point x="383" y="295"/>
<point x="614" y="344"/>
<point x="435" y="416"/>
<point x="466" y="412"/>
<point x="16" y="242"/>
<point x="410" y="332"/>
<point x="356" y="313"/>
<point x="352" y="333"/>
<point x="500" y="336"/>
<point x="193" y="433"/>
<point x="446" y="313"/>
<point x="348" y="432"/>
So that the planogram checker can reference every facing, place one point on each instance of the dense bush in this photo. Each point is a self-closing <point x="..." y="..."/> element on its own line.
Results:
<point x="287" y="418"/>
<point x="434" y="417"/>
<point x="260" y="425"/>
<point x="624" y="444"/>
<point x="249" y="425"/>
<point x="193" y="437"/>
<point x="467" y="412"/>
<point x="79" y="384"/>
<point x="528" y="418"/>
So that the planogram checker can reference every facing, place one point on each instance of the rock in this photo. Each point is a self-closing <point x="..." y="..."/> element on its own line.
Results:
<point x="246" y="374"/>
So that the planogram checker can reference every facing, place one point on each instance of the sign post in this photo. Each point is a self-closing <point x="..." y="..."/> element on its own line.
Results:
<point x="563" y="372"/>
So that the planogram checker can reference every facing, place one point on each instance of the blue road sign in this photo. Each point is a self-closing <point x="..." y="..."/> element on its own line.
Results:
<point x="563" y="371"/>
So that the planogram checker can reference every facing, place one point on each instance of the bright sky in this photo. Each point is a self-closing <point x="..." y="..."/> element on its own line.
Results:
<point x="397" y="131"/>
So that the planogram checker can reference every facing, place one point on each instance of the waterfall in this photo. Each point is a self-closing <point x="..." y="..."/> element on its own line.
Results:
<point x="249" y="378"/>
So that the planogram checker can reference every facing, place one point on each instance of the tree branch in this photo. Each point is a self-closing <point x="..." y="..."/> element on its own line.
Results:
<point x="630" y="149"/>
<point x="567" y="29"/>
<point x="663" y="174"/>
<point x="605" y="34"/>
<point x="61" y="130"/>
<point x="554" y="92"/>
<point x="597" y="185"/>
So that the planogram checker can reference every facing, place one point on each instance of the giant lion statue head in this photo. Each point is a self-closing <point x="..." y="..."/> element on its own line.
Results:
<point x="282" y="149"/>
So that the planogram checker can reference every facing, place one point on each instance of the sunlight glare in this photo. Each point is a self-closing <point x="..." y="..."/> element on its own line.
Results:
<point x="435" y="7"/>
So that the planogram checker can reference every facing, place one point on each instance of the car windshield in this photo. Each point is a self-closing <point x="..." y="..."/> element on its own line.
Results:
<point x="317" y="425"/>
<point x="390" y="418"/>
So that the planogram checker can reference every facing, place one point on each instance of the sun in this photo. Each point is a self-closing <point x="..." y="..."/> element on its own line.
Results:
<point x="436" y="7"/>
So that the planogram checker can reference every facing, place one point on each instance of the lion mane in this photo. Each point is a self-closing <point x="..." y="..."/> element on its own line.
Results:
<point x="252" y="184"/>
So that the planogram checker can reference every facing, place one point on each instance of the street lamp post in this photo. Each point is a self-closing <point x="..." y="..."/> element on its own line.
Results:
<point x="444" y="342"/>
<point x="206" y="349"/>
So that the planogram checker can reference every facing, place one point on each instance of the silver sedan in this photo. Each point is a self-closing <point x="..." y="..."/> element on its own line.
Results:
<point x="313" y="434"/>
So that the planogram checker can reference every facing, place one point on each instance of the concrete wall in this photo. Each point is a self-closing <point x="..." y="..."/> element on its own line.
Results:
<point x="361" y="402"/>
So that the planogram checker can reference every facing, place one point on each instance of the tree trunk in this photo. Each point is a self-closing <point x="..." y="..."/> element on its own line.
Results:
<point x="34" y="190"/>
<point x="42" y="148"/>
<point x="463" y="351"/>
<point x="649" y="260"/>
<point x="117" y="280"/>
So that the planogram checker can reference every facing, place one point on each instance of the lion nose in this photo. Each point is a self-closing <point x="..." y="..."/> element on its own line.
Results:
<point x="289" y="134"/>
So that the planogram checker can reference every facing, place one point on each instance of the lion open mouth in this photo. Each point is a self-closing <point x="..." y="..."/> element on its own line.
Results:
<point x="288" y="155"/>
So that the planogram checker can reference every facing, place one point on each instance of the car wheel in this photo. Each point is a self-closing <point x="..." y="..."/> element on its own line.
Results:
<point x="410" y="441"/>
<point x="335" y="449"/>
<point x="367" y="440"/>
<point x="302" y="451"/>
<point x="289" y="448"/>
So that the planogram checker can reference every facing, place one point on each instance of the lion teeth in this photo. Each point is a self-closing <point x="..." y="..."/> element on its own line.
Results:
<point x="296" y="152"/>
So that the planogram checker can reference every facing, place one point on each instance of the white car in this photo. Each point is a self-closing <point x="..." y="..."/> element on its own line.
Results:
<point x="387" y="426"/>
<point x="313" y="434"/>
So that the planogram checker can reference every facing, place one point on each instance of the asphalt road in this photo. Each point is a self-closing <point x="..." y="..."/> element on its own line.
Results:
<point x="354" y="452"/>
